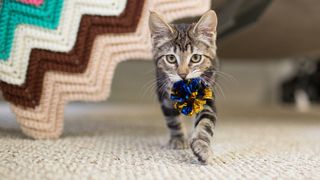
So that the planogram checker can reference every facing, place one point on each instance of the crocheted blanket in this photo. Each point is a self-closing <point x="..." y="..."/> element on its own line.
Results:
<point x="54" y="52"/>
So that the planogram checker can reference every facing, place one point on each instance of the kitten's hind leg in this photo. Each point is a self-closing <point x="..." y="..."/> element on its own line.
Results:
<point x="178" y="138"/>
<point x="202" y="136"/>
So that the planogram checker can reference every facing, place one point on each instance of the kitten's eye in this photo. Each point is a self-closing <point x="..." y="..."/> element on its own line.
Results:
<point x="171" y="59"/>
<point x="196" y="58"/>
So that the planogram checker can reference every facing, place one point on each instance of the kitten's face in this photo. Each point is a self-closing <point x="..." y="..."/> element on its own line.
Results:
<point x="184" y="51"/>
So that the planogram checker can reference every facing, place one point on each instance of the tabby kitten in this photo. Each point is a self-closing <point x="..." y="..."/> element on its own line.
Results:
<point x="183" y="51"/>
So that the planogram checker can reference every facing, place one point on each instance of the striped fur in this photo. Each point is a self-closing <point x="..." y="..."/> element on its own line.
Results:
<point x="184" y="51"/>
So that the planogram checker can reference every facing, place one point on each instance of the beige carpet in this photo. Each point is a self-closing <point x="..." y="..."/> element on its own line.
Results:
<point x="126" y="142"/>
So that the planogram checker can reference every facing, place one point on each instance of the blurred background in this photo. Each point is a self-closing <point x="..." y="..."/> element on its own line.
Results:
<point x="269" y="52"/>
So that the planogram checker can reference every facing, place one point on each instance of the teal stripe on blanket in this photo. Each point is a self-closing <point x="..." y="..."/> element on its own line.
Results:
<point x="13" y="13"/>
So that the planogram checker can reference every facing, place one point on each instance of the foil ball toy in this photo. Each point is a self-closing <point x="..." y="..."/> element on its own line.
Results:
<point x="189" y="96"/>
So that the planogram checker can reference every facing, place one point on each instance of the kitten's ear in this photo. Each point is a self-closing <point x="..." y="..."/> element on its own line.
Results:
<point x="160" y="30"/>
<point x="207" y="23"/>
<point x="206" y="27"/>
<point x="158" y="25"/>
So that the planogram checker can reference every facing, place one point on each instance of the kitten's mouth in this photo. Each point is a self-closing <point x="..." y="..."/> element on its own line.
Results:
<point x="178" y="78"/>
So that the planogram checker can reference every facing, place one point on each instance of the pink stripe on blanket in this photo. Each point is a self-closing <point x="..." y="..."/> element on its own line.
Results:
<point x="33" y="2"/>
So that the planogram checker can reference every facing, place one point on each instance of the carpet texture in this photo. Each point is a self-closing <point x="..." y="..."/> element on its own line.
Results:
<point x="104" y="143"/>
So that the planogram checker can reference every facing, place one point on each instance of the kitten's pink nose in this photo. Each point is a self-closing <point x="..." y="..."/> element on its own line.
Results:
<point x="183" y="75"/>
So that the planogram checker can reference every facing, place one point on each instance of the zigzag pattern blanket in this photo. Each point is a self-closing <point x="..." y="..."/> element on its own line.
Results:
<point x="53" y="52"/>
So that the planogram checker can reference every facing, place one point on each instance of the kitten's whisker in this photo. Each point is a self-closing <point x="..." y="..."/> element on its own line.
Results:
<point x="146" y="87"/>
<point x="151" y="86"/>
<point x="224" y="78"/>
<point x="221" y="89"/>
<point x="216" y="91"/>
<point x="229" y="76"/>
<point x="216" y="86"/>
<point x="195" y="71"/>
<point x="148" y="83"/>
<point x="224" y="74"/>
<point x="162" y="89"/>
<point x="152" y="81"/>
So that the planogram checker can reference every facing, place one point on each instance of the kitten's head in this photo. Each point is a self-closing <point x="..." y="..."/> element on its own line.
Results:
<point x="184" y="51"/>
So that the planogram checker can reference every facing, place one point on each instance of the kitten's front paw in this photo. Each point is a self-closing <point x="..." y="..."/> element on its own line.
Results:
<point x="178" y="143"/>
<point x="202" y="150"/>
